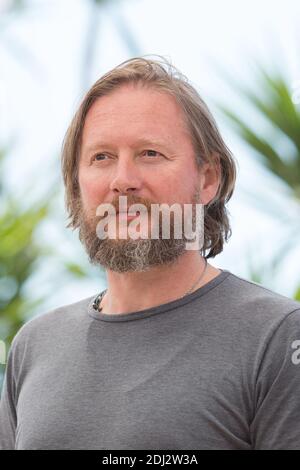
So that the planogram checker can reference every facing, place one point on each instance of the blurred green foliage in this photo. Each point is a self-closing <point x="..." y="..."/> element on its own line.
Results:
<point x="271" y="99"/>
<point x="18" y="255"/>
<point x="21" y="251"/>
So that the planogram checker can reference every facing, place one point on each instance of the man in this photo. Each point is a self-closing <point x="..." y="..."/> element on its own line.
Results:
<point x="175" y="353"/>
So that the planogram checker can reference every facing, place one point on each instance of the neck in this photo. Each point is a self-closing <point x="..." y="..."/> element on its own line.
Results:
<point x="134" y="291"/>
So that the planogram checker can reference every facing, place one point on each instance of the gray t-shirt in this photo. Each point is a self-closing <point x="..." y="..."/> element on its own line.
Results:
<point x="217" y="369"/>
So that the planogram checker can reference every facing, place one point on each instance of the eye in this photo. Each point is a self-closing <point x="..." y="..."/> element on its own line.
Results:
<point x="152" y="153"/>
<point x="95" y="157"/>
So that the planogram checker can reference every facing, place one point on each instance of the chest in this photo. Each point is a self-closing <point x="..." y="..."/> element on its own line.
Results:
<point x="138" y="396"/>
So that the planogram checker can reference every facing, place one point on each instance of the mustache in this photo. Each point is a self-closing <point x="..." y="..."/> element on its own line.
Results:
<point x="132" y="199"/>
<point x="90" y="216"/>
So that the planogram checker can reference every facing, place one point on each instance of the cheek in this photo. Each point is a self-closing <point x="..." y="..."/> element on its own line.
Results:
<point x="181" y="183"/>
<point x="91" y="189"/>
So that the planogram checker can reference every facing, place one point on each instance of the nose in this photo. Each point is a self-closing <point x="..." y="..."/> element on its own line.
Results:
<point x="126" y="178"/>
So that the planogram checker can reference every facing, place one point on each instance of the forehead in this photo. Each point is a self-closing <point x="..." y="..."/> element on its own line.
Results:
<point x="135" y="110"/>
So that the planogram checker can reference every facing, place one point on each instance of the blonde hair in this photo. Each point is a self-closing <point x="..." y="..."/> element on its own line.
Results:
<point x="206" y="138"/>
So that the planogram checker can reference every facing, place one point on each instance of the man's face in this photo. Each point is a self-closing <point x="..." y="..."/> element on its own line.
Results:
<point x="135" y="143"/>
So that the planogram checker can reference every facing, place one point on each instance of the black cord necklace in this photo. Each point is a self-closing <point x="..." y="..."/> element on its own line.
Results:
<point x="98" y="300"/>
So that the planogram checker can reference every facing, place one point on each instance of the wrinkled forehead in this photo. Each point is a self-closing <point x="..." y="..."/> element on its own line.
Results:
<point x="132" y="111"/>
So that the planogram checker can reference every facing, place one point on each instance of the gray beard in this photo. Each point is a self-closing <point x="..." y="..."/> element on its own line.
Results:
<point x="128" y="255"/>
<point x="132" y="255"/>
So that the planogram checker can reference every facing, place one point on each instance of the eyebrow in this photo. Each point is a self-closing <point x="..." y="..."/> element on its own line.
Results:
<point x="149" y="142"/>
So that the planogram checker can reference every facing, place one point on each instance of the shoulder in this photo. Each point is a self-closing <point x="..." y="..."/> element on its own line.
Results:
<point x="66" y="317"/>
<point x="257" y="299"/>
<point x="262" y="328"/>
<point x="250" y="312"/>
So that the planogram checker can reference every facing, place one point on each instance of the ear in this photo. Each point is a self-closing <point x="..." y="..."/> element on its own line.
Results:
<point x="209" y="179"/>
